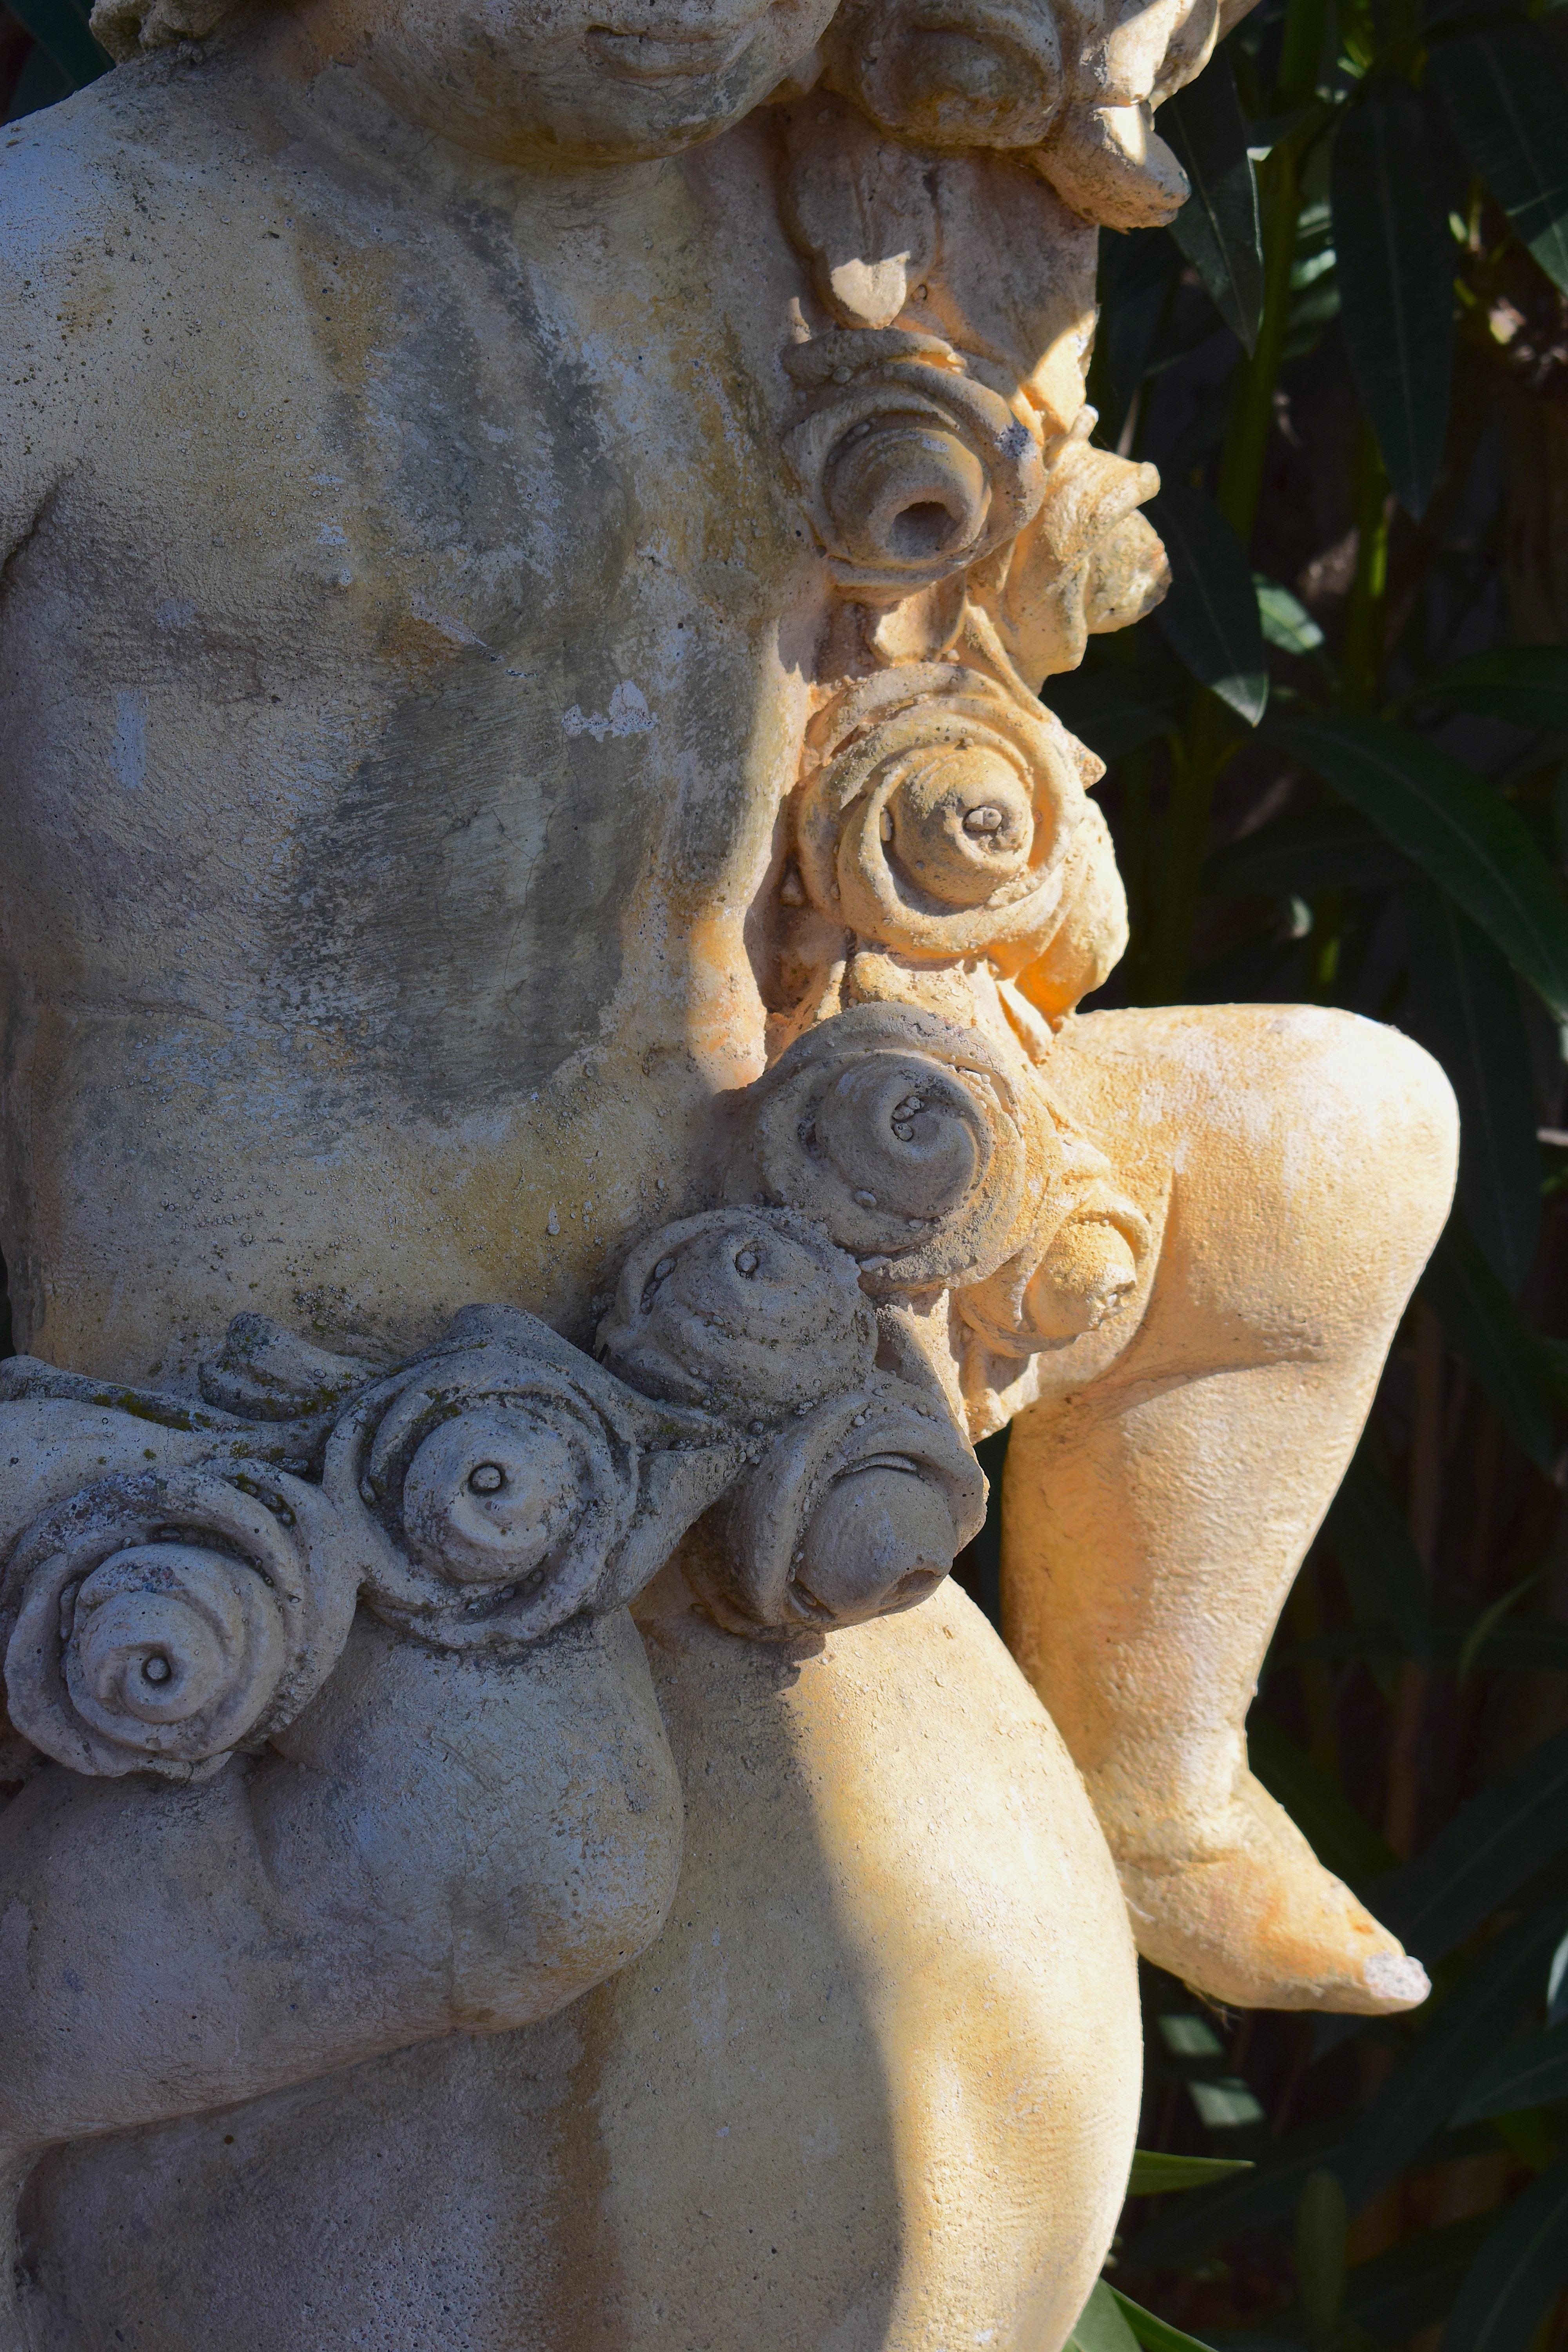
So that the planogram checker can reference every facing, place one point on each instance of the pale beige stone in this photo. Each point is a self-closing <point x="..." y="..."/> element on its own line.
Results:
<point x="531" y="539"/>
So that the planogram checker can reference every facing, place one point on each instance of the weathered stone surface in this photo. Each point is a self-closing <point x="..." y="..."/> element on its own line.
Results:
<point x="530" y="541"/>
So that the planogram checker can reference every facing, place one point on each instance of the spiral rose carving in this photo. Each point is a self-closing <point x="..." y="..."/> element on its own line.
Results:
<point x="938" y="816"/>
<point x="907" y="1139"/>
<point x="496" y="1486"/>
<point x="1088" y="562"/>
<point x="1080" y="1267"/>
<point x="859" y="1511"/>
<point x="749" y="1313"/>
<point x="910" y="469"/>
<point x="161" y="1620"/>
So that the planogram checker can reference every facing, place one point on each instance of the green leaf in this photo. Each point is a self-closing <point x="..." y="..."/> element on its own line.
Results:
<point x="1524" y="1645"/>
<point x="1323" y="849"/>
<point x="1116" y="710"/>
<point x="59" y="28"/>
<point x="1419" y="2098"/>
<point x="1212" y="2215"/>
<point x="1286" y="620"/>
<point x="1481" y="1856"/>
<point x="1210" y="617"/>
<point x="1323" y="2229"/>
<point x="1371" y="1537"/>
<point x="1519" y="2270"/>
<point x="1137" y="275"/>
<point x="1486" y="1326"/>
<point x="1219" y="227"/>
<point x="1100" y="2326"/>
<point x="1395" y="281"/>
<point x="1471" y="843"/>
<point x="1474" y="1641"/>
<point x="1412" y="2285"/>
<point x="1467" y="1009"/>
<point x="1510" y="108"/>
<point x="1155" y="2335"/>
<point x="1156" y="2174"/>
<point x="1531" y="2074"/>
<point x="1527" y="685"/>
<point x="1341" y="1839"/>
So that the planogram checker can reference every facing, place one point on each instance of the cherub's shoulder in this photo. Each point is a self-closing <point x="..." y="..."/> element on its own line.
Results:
<point x="104" y="201"/>
<point x="139" y="143"/>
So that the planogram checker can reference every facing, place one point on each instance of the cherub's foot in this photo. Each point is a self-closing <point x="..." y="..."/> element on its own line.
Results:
<point x="1250" y="1915"/>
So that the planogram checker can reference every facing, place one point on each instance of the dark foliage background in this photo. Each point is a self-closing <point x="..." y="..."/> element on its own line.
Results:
<point x="1339" y="773"/>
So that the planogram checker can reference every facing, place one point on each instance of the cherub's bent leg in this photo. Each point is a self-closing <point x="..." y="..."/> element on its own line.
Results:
<point x="1156" y="1517"/>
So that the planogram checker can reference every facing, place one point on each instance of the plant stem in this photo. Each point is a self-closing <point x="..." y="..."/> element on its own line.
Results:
<point x="1241" y="468"/>
<point x="1197" y="756"/>
<point x="1362" y="657"/>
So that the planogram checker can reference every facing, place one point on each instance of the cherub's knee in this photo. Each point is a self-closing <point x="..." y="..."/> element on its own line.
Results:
<point x="1311" y="1155"/>
<point x="1383" y="1124"/>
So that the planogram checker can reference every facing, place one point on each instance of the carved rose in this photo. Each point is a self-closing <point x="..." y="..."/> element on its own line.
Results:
<point x="1078" y="1267"/>
<point x="910" y="468"/>
<point x="749" y="1313"/>
<point x="495" y="1486"/>
<point x="938" y="816"/>
<point x="856" y="1512"/>
<point x="1088" y="561"/>
<point x="161" y="1620"/>
<point x="908" y="1138"/>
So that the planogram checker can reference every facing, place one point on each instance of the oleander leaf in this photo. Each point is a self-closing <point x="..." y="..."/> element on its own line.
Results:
<point x="1470" y="841"/>
<point x="1157" y="2175"/>
<point x="1116" y="710"/>
<point x="1518" y="2272"/>
<point x="1153" y="2333"/>
<point x="1419" y="2098"/>
<point x="1371" y="1536"/>
<point x="1321" y="849"/>
<point x="1210" y="618"/>
<point x="1527" y="685"/>
<point x="1286" y="620"/>
<point x="1481" y="1855"/>
<point x="1395" y="282"/>
<point x="1218" y="228"/>
<point x="1510" y="109"/>
<point x="1467" y="1009"/>
<point x="60" y="30"/>
<point x="1343" y="1840"/>
<point x="1528" y="2074"/>
<point x="1212" y="2215"/>
<point x="1100" y="2326"/>
<point x="1481" y="1320"/>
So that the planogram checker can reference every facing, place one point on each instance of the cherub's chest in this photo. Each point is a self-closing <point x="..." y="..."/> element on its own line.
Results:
<point x="424" y="582"/>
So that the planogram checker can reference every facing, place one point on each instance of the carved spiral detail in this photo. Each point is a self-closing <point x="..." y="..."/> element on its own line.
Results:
<point x="1079" y="1268"/>
<point x="906" y="1139"/>
<point x="749" y="1313"/>
<point x="494" y="1489"/>
<point x="856" y="1512"/>
<point x="161" y="1620"/>
<point x="939" y="816"/>
<point x="910" y="469"/>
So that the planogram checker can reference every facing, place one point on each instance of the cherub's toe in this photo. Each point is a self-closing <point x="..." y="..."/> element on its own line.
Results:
<point x="1250" y="1916"/>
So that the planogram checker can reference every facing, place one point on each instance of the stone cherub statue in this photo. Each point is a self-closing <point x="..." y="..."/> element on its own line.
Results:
<point x="532" y="539"/>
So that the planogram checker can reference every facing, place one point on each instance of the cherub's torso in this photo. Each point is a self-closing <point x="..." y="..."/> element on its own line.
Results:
<point x="439" y="711"/>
